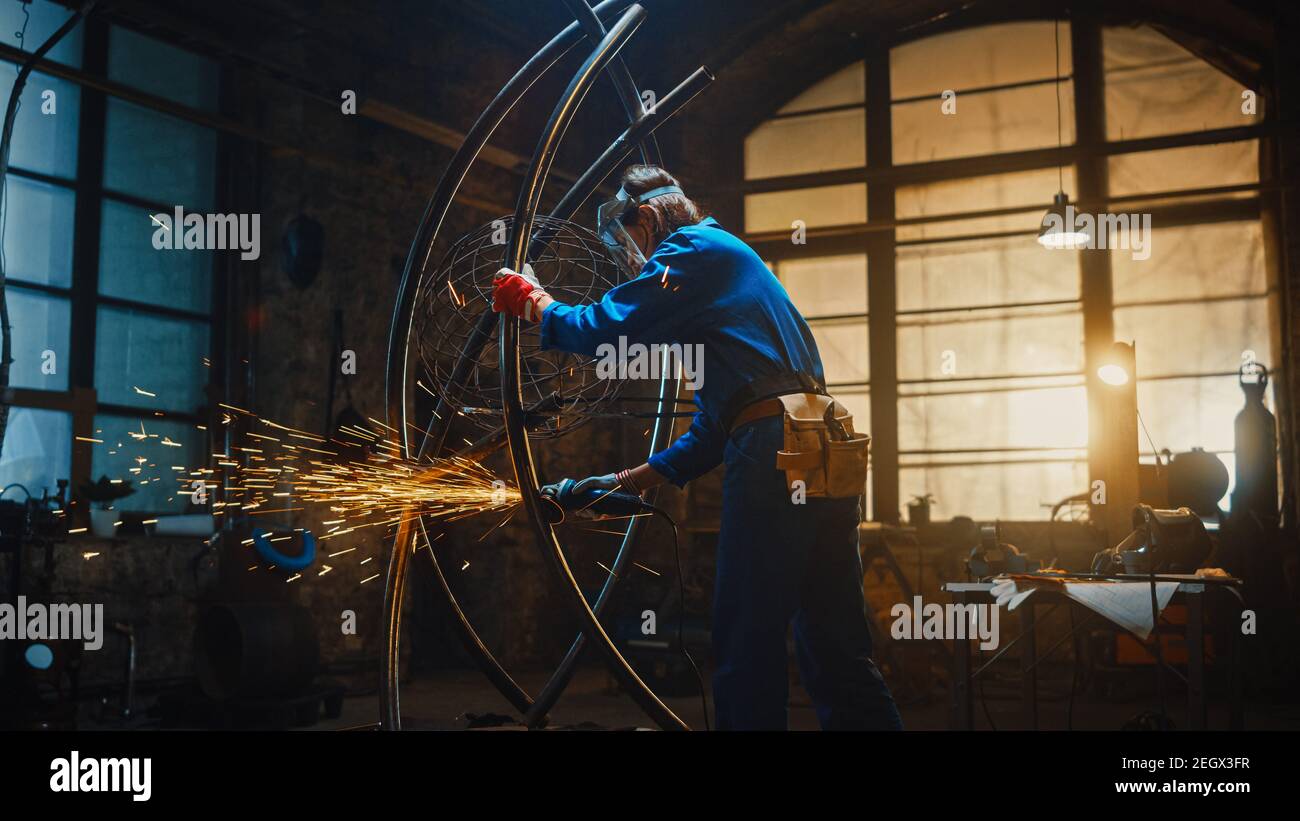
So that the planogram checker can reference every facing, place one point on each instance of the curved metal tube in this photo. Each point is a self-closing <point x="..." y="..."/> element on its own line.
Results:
<point x="624" y="85"/>
<point x="511" y="388"/>
<point x="469" y="637"/>
<point x="641" y="129"/>
<point x="397" y="377"/>
<point x="436" y="211"/>
<point x="618" y="150"/>
<point x="668" y="387"/>
<point x="581" y="190"/>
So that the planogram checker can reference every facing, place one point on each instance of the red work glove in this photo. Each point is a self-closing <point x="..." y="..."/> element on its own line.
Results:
<point x="517" y="294"/>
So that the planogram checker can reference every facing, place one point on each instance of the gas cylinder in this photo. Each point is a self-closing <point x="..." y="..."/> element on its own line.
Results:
<point x="1255" y="430"/>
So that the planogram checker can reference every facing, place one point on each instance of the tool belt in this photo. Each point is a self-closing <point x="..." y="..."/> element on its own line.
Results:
<point x="821" y="449"/>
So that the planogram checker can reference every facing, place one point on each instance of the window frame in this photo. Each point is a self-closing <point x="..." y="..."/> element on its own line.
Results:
<point x="80" y="399"/>
<point x="1086" y="155"/>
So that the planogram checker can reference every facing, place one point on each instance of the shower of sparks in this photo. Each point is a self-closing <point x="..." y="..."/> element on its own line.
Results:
<point x="381" y="488"/>
<point x="356" y="480"/>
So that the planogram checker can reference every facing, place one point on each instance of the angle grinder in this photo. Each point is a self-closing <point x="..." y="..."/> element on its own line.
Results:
<point x="562" y="498"/>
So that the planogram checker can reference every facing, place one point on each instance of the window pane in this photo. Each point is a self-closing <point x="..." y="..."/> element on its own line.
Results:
<point x="978" y="57"/>
<point x="1182" y="414"/>
<point x="993" y="343"/>
<point x="1006" y="491"/>
<point x="984" y="272"/>
<point x="828" y="205"/>
<point x="1177" y="169"/>
<point x="1053" y="417"/>
<point x="1024" y="188"/>
<point x="38" y="450"/>
<point x="845" y="87"/>
<point x="40" y="335"/>
<point x="162" y="69"/>
<point x="159" y="158"/>
<point x="45" y="143"/>
<point x="43" y="18"/>
<point x="826" y="286"/>
<point x="1196" y="337"/>
<point x="1197" y="302"/>
<point x="1193" y="262"/>
<point x="1154" y="86"/>
<point x="842" y="344"/>
<point x="38" y="232"/>
<point x="806" y="144"/>
<point x="134" y="449"/>
<point x="987" y="123"/>
<point x="156" y="354"/>
<point x="131" y="268"/>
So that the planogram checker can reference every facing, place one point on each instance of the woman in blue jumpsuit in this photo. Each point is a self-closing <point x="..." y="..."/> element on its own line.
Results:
<point x="778" y="561"/>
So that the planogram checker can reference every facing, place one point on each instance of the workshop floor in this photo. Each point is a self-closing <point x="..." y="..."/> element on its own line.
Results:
<point x="442" y="700"/>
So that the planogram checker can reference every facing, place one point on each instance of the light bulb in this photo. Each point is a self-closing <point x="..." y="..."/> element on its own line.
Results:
<point x="1112" y="375"/>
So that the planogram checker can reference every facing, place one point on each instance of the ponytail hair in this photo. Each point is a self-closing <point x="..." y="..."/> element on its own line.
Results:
<point x="671" y="211"/>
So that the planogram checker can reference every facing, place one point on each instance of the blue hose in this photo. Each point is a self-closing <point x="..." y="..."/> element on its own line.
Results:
<point x="272" y="556"/>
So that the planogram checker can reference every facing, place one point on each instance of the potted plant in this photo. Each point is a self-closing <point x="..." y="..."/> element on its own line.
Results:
<point x="918" y="510"/>
<point x="101" y="495"/>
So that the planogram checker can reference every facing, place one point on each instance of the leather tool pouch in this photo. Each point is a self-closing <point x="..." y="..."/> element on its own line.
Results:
<point x="821" y="450"/>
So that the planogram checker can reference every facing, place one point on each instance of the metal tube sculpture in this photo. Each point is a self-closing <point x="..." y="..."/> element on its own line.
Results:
<point x="431" y="439"/>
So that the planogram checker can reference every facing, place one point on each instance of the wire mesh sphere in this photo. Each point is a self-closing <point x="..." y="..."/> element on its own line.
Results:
<point x="461" y="367"/>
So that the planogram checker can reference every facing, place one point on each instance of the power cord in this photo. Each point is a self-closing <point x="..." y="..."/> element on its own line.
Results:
<point x="681" y="611"/>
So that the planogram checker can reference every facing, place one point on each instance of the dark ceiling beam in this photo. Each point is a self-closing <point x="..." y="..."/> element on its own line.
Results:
<point x="292" y="147"/>
<point x="1227" y="36"/>
<point x="483" y="15"/>
<point x="158" y="21"/>
<point x="750" y="32"/>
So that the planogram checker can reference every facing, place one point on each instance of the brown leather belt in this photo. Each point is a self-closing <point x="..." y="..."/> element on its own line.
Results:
<point x="761" y="409"/>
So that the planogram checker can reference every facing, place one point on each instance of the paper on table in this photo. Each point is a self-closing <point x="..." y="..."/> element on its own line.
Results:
<point x="1127" y="604"/>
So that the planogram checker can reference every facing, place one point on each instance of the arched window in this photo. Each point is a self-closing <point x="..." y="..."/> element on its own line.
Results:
<point x="901" y="212"/>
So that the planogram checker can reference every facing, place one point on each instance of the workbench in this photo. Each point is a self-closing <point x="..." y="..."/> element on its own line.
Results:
<point x="1192" y="591"/>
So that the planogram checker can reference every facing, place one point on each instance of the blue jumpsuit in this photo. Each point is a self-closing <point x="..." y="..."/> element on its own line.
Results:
<point x="777" y="561"/>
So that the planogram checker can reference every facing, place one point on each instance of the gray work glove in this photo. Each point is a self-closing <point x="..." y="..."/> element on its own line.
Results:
<point x="607" y="482"/>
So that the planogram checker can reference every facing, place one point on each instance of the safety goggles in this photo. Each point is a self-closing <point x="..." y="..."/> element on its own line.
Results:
<point x="610" y="228"/>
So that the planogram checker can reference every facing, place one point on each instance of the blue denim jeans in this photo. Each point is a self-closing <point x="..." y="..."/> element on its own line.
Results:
<point x="780" y="562"/>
